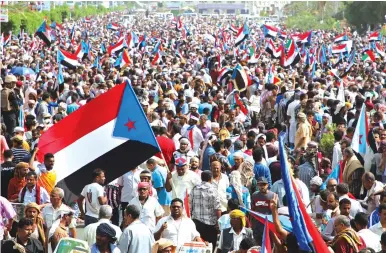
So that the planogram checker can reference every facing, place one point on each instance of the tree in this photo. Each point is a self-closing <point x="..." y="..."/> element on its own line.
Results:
<point x="365" y="13"/>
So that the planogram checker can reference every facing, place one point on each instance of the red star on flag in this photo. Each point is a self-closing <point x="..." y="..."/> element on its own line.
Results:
<point x="130" y="125"/>
<point x="360" y="138"/>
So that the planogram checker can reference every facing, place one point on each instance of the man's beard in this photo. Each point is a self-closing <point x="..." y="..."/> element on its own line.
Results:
<point x="193" y="167"/>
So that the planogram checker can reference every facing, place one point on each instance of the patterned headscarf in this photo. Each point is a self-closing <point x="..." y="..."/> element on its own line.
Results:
<point x="238" y="214"/>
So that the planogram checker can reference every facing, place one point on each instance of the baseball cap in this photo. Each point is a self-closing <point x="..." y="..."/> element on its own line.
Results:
<point x="262" y="180"/>
<point x="180" y="162"/>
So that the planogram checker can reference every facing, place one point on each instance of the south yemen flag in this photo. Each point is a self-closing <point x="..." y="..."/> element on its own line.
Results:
<point x="102" y="134"/>
<point x="44" y="33"/>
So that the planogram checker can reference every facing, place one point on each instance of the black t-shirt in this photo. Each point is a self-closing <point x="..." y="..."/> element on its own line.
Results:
<point x="33" y="246"/>
<point x="7" y="169"/>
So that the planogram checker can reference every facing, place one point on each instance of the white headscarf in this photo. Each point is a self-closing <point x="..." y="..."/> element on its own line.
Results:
<point x="235" y="181"/>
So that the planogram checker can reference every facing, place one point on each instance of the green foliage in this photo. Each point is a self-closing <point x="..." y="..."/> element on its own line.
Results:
<point x="366" y="12"/>
<point x="307" y="21"/>
<point x="33" y="19"/>
<point x="327" y="142"/>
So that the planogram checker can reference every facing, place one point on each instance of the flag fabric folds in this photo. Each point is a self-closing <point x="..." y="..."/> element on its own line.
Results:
<point x="240" y="78"/>
<point x="67" y="59"/>
<point x="242" y="35"/>
<point x="117" y="47"/>
<point x="44" y="33"/>
<point x="117" y="136"/>
<point x="266" y="242"/>
<point x="359" y="139"/>
<point x="224" y="76"/>
<point x="306" y="233"/>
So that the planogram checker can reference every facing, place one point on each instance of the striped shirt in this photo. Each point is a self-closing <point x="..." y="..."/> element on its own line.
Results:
<point x="18" y="154"/>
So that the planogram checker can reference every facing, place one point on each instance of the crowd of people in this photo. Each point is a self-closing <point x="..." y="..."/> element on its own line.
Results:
<point x="219" y="140"/>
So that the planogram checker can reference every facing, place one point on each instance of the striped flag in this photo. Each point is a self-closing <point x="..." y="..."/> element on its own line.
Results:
<point x="266" y="242"/>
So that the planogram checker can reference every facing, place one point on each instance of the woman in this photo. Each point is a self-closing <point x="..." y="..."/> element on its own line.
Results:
<point x="105" y="239"/>
<point x="163" y="246"/>
<point x="18" y="181"/>
<point x="248" y="177"/>
<point x="237" y="190"/>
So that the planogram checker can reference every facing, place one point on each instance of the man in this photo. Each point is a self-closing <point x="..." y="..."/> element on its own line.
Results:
<point x="193" y="133"/>
<point x="166" y="145"/>
<point x="7" y="171"/>
<point x="145" y="176"/>
<point x="205" y="208"/>
<point x="182" y="180"/>
<point x="105" y="214"/>
<point x="184" y="151"/>
<point x="218" y="156"/>
<point x="23" y="241"/>
<point x="195" y="166"/>
<point x="260" y="203"/>
<point x="33" y="192"/>
<point x="260" y="169"/>
<point x="18" y="151"/>
<point x="159" y="175"/>
<point x="151" y="210"/>
<point x="19" y="131"/>
<point x="315" y="203"/>
<point x="369" y="187"/>
<point x="380" y="227"/>
<point x="346" y="239"/>
<point x="342" y="190"/>
<point x="136" y="237"/>
<point x="291" y="116"/>
<point x="45" y="172"/>
<point x="371" y="240"/>
<point x="9" y="104"/>
<point x="231" y="238"/>
<point x="221" y="183"/>
<point x="94" y="196"/>
<point x="129" y="183"/>
<point x="106" y="236"/>
<point x="177" y="227"/>
<point x="307" y="170"/>
<point x="42" y="108"/>
<point x="331" y="185"/>
<point x="344" y="209"/>
<point x="32" y="211"/>
<point x="374" y="216"/>
<point x="352" y="173"/>
<point x="60" y="232"/>
<point x="336" y="151"/>
<point x="303" y="132"/>
<point x="52" y="210"/>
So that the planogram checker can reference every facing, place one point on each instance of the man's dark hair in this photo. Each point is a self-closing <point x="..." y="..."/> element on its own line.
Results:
<point x="344" y="202"/>
<point x="382" y="195"/>
<point x="346" y="142"/>
<point x="247" y="243"/>
<point x="335" y="195"/>
<point x="251" y="135"/>
<point x="155" y="130"/>
<point x="176" y="128"/>
<point x="257" y="154"/>
<point x="32" y="174"/>
<point x="97" y="172"/>
<point x="228" y="143"/>
<point x="338" y="135"/>
<point x="218" y="145"/>
<point x="342" y="188"/>
<point x="361" y="219"/>
<point x="46" y="96"/>
<point x="25" y="222"/>
<point x="381" y="208"/>
<point x="383" y="239"/>
<point x="151" y="161"/>
<point x="170" y="112"/>
<point x="270" y="136"/>
<point x="133" y="211"/>
<point x="324" y="195"/>
<point x="233" y="204"/>
<point x="250" y="144"/>
<point x="206" y="176"/>
<point x="48" y="156"/>
<point x="163" y="130"/>
<point x="177" y="200"/>
<point x="8" y="153"/>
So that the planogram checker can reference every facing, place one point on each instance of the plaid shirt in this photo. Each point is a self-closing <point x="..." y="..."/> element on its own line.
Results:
<point x="204" y="201"/>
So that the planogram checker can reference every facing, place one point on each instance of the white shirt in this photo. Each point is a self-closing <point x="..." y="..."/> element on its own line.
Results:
<point x="291" y="110"/>
<point x="30" y="196"/>
<point x="149" y="211"/>
<point x="184" y="183"/>
<point x="136" y="238"/>
<point x="50" y="214"/>
<point x="356" y="207"/>
<point x="91" y="193"/>
<point x="374" y="203"/>
<point x="180" y="232"/>
<point x="176" y="141"/>
<point x="221" y="187"/>
<point x="370" y="238"/>
<point x="377" y="229"/>
<point x="197" y="138"/>
<point x="129" y="182"/>
<point x="89" y="233"/>
<point x="237" y="238"/>
<point x="336" y="155"/>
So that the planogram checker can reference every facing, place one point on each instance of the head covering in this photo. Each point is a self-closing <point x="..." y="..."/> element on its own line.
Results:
<point x="162" y="244"/>
<point x="339" y="107"/>
<point x="184" y="140"/>
<point x="105" y="229"/>
<point x="238" y="214"/>
<point x="302" y="116"/>
<point x="238" y="154"/>
<point x="32" y="205"/>
<point x="143" y="185"/>
<point x="316" y="180"/>
<point x="235" y="181"/>
<point x="262" y="180"/>
<point x="180" y="162"/>
<point x="18" y="130"/>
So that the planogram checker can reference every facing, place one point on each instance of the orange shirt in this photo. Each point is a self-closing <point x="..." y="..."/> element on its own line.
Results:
<point x="14" y="187"/>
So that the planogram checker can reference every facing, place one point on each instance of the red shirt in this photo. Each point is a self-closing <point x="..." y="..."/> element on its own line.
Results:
<point x="167" y="147"/>
<point x="342" y="246"/>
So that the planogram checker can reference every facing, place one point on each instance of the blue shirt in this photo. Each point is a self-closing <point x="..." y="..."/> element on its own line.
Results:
<point x="185" y="108"/>
<point x="72" y="108"/>
<point x="261" y="170"/>
<point x="205" y="159"/>
<point x="159" y="180"/>
<point x="231" y="194"/>
<point x="373" y="217"/>
<point x="203" y="106"/>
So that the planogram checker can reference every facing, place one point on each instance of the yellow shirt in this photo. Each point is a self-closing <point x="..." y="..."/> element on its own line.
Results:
<point x="304" y="130"/>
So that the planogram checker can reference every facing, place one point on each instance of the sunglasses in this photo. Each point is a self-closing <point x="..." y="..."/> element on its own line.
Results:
<point x="142" y="189"/>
